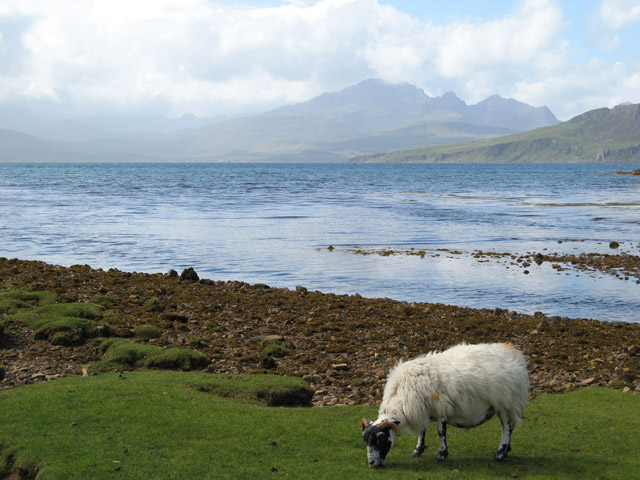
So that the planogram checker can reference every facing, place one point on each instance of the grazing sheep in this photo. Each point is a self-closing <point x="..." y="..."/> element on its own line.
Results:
<point x="463" y="386"/>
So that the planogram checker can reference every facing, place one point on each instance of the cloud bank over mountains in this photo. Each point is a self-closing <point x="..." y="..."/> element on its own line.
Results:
<point x="74" y="58"/>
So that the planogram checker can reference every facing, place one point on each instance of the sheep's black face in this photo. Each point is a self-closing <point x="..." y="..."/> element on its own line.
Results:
<point x="378" y="444"/>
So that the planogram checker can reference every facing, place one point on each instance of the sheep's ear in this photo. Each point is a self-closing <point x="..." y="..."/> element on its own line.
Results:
<point x="365" y="424"/>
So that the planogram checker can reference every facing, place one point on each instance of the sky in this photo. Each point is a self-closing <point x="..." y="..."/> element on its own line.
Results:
<point x="72" y="58"/>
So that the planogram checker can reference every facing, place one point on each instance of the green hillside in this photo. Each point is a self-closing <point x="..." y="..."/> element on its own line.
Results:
<point x="602" y="135"/>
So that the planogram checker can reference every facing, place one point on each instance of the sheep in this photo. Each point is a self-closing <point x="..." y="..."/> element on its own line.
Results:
<point x="463" y="386"/>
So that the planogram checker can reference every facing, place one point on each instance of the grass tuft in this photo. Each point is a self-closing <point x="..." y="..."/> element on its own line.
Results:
<point x="177" y="359"/>
<point x="273" y="349"/>
<point x="146" y="332"/>
<point x="14" y="301"/>
<point x="120" y="352"/>
<point x="66" y="323"/>
<point x="104" y="300"/>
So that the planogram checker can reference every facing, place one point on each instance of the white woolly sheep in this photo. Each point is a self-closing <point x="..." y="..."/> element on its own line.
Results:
<point x="463" y="386"/>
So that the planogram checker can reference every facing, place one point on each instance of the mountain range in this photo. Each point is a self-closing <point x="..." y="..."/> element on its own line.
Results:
<point x="601" y="135"/>
<point x="370" y="117"/>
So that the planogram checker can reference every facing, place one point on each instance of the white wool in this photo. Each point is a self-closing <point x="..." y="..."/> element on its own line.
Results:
<point x="454" y="384"/>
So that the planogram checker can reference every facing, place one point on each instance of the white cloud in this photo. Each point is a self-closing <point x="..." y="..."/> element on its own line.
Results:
<point x="617" y="14"/>
<point x="573" y="91"/>
<point x="207" y="58"/>
<point x="512" y="41"/>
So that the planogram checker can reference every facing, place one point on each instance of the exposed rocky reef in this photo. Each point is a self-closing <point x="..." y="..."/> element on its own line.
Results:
<point x="633" y="172"/>
<point x="623" y="265"/>
<point x="342" y="345"/>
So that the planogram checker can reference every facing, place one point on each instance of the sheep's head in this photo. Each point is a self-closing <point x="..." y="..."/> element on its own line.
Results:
<point x="379" y="438"/>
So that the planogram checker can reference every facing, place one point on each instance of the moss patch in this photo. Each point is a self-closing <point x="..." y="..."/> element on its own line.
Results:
<point x="177" y="359"/>
<point x="273" y="348"/>
<point x="146" y="332"/>
<point x="66" y="323"/>
<point x="104" y="300"/>
<point x="14" y="301"/>
<point x="120" y="352"/>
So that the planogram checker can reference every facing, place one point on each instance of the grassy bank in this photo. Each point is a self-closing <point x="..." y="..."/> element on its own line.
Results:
<point x="155" y="424"/>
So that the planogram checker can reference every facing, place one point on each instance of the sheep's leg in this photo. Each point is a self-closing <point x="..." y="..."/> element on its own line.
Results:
<point x="420" y="447"/>
<point x="505" y="442"/>
<point x="442" y="433"/>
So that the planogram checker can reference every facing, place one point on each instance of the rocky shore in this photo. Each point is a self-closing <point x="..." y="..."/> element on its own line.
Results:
<point x="342" y="345"/>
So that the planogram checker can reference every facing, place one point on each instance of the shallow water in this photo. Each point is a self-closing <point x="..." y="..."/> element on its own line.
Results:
<point x="272" y="223"/>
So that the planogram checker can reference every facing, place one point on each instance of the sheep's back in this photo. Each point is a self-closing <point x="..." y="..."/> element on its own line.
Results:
<point x="439" y="384"/>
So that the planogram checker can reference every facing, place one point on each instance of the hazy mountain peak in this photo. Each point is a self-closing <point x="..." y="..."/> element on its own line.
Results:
<point x="370" y="116"/>
<point x="370" y="92"/>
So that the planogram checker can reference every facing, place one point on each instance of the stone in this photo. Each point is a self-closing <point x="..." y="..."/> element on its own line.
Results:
<point x="340" y="366"/>
<point x="190" y="275"/>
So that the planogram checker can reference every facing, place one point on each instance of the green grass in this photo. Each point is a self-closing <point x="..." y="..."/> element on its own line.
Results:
<point x="121" y="352"/>
<point x="268" y="390"/>
<point x="146" y="332"/>
<point x="65" y="323"/>
<point x="155" y="424"/>
<point x="14" y="301"/>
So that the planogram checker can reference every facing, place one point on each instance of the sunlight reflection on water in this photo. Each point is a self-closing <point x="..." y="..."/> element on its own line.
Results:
<point x="272" y="223"/>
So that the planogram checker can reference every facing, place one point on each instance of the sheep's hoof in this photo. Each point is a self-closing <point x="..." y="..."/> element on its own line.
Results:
<point x="442" y="455"/>
<point x="500" y="456"/>
<point x="417" y="452"/>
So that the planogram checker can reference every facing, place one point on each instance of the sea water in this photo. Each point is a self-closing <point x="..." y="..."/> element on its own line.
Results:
<point x="273" y="224"/>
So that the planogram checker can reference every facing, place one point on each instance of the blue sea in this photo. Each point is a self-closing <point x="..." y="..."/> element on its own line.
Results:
<point x="273" y="224"/>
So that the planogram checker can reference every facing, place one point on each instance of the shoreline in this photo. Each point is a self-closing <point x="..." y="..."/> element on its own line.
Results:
<point x="342" y="345"/>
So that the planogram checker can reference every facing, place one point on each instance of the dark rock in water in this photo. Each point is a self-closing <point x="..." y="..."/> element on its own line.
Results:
<point x="172" y="274"/>
<point x="614" y="245"/>
<point x="634" y="172"/>
<point x="190" y="275"/>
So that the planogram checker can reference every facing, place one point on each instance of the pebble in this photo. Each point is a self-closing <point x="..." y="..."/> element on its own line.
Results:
<point x="340" y="366"/>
